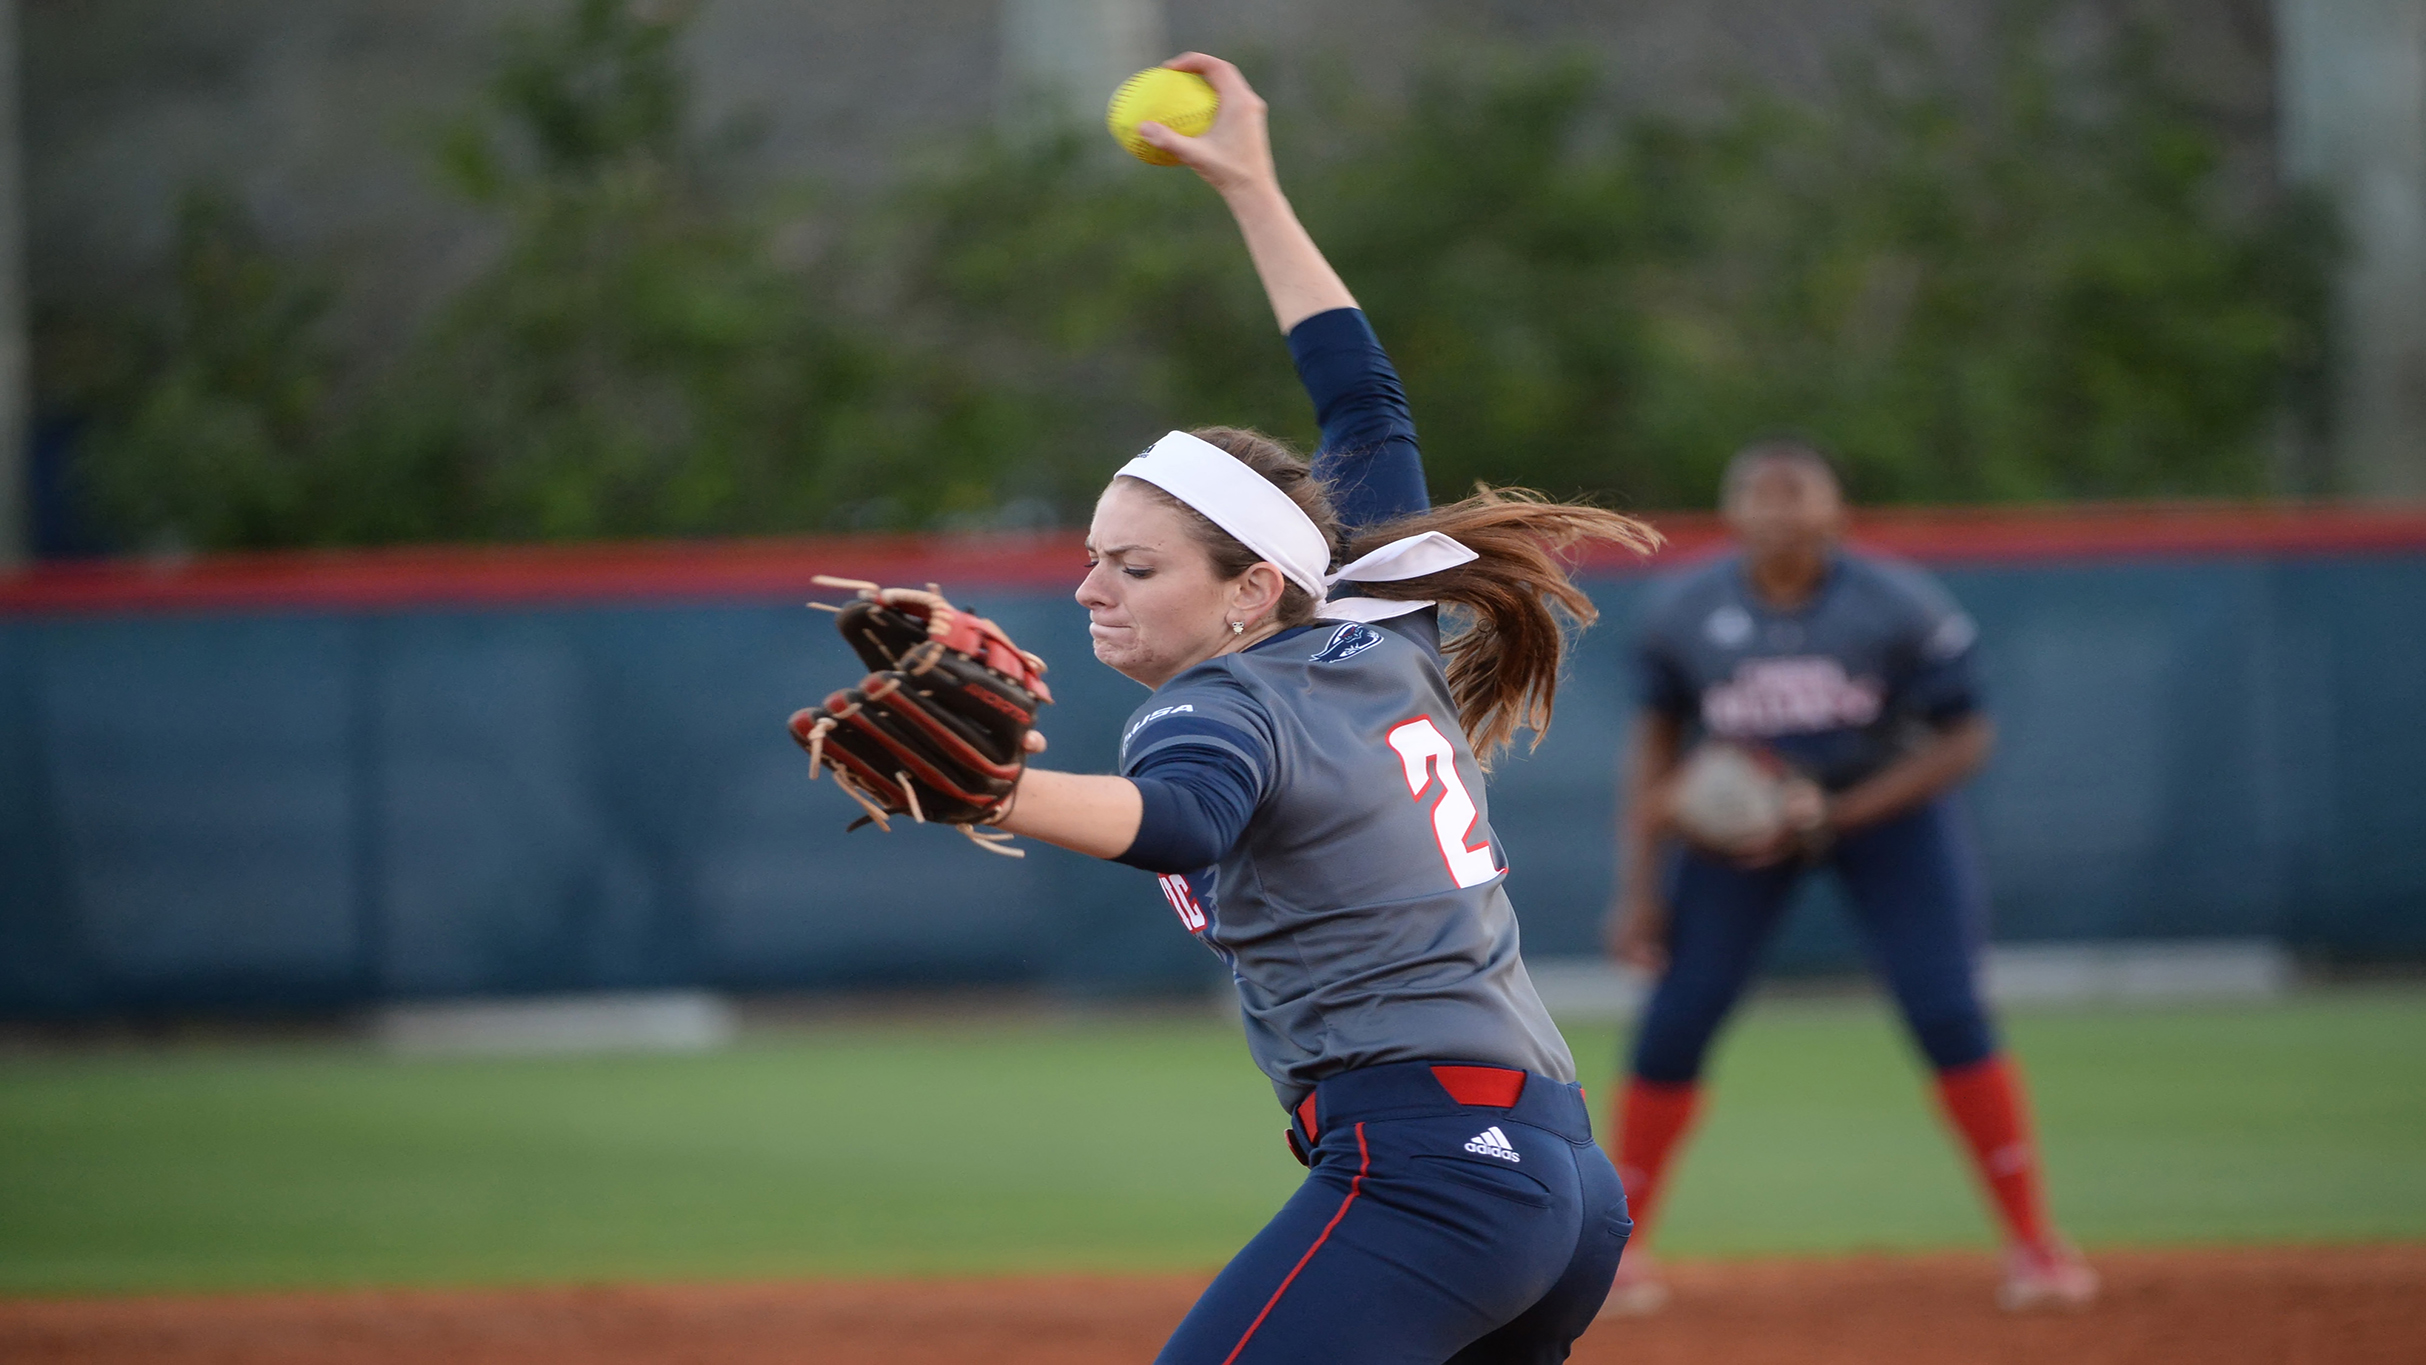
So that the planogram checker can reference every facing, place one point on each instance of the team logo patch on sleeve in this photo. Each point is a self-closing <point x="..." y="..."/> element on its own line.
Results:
<point x="1729" y="626"/>
<point x="1347" y="642"/>
<point x="1952" y="636"/>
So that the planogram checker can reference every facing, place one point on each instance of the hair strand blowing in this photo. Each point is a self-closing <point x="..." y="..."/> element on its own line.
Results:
<point x="1516" y="602"/>
<point x="1518" y="606"/>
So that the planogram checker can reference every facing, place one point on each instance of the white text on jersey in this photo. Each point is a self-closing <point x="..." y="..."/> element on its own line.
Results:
<point x="1175" y="889"/>
<point x="1152" y="716"/>
<point x="1789" y="697"/>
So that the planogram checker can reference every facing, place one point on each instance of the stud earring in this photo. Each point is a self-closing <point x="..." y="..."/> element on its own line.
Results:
<point x="1238" y="627"/>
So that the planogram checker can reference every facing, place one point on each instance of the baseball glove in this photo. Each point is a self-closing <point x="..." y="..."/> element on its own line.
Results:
<point x="1733" y="799"/>
<point x="938" y="730"/>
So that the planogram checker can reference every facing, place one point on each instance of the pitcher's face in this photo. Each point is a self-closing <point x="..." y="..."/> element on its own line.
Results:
<point x="1154" y="605"/>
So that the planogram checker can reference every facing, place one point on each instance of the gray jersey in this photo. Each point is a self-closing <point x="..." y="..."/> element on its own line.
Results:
<point x="1363" y="910"/>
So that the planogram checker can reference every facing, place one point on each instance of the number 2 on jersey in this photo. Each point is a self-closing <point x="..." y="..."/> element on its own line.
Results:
<point x="1424" y="752"/>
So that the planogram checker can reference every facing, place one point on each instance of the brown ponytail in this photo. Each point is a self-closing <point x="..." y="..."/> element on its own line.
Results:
<point x="1516" y="601"/>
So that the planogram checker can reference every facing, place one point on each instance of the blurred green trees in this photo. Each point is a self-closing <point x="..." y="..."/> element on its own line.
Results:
<point x="209" y="419"/>
<point x="636" y="358"/>
<point x="2026" y="283"/>
<point x="2030" y="290"/>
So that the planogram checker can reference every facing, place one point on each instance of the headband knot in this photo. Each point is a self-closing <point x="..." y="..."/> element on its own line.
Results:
<point x="1264" y="519"/>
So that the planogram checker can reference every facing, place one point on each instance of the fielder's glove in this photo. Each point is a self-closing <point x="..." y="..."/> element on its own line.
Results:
<point x="1740" y="801"/>
<point x="939" y="730"/>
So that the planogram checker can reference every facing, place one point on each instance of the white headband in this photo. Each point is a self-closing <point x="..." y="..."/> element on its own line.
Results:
<point x="1265" y="520"/>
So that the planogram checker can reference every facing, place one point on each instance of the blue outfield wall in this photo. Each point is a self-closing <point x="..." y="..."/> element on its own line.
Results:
<point x="311" y="808"/>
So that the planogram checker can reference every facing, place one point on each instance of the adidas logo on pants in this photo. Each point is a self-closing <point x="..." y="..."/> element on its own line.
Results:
<point x="1492" y="1142"/>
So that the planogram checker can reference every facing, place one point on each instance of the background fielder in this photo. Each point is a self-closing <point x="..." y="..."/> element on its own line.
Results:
<point x="1858" y="673"/>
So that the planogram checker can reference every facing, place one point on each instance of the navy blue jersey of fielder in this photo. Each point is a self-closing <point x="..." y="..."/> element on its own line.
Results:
<point x="1319" y="822"/>
<point x="1839" y="686"/>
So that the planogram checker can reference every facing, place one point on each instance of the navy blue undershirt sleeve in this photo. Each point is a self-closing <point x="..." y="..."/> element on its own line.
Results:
<point x="1201" y="761"/>
<point x="1369" y="456"/>
<point x="1661" y="686"/>
<point x="1933" y="676"/>
<point x="1942" y="691"/>
<point x="1197" y="802"/>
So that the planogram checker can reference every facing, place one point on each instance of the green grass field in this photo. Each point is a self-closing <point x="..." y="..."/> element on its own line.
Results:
<point x="1120" y="1144"/>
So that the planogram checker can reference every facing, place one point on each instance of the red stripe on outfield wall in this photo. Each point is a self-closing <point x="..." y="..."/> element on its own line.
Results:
<point x="1364" y="1163"/>
<point x="1946" y="535"/>
<point x="781" y="570"/>
<point x="473" y="576"/>
<point x="2082" y="531"/>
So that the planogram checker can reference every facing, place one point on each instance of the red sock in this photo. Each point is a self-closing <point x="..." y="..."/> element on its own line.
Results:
<point x="1985" y="1102"/>
<point x="1651" y="1118"/>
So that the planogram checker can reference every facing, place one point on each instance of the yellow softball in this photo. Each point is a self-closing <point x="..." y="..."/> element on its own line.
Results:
<point x="1179" y="100"/>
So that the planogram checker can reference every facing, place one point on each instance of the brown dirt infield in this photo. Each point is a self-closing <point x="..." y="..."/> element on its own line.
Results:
<point x="2300" y="1306"/>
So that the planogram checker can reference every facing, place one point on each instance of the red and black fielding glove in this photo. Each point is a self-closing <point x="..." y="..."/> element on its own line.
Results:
<point x="938" y="731"/>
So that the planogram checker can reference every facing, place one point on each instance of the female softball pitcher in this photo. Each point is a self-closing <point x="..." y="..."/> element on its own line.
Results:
<point x="1307" y="781"/>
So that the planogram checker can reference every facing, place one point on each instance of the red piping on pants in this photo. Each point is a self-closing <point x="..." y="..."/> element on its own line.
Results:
<point x="1364" y="1163"/>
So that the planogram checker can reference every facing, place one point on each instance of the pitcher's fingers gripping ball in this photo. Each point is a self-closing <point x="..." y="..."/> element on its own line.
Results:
<point x="939" y="730"/>
<point x="1181" y="101"/>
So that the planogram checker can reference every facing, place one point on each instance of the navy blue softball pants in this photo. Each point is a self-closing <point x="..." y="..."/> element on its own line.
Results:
<point x="1428" y="1231"/>
<point x="1917" y="897"/>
